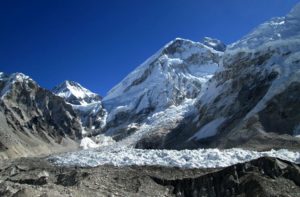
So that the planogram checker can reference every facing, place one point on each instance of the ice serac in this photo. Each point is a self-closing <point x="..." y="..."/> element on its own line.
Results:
<point x="253" y="98"/>
<point x="175" y="75"/>
<point x="33" y="120"/>
<point x="86" y="104"/>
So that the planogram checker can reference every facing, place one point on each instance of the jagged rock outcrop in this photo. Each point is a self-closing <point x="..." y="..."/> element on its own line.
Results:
<point x="86" y="104"/>
<point x="33" y="120"/>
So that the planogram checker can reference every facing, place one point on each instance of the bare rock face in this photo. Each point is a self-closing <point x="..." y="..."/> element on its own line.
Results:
<point x="33" y="120"/>
<point x="36" y="177"/>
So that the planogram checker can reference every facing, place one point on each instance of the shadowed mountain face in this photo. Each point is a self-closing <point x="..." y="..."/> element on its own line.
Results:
<point x="33" y="120"/>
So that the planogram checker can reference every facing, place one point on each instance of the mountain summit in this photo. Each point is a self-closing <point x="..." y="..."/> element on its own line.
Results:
<point x="175" y="74"/>
<point x="75" y="94"/>
<point x="86" y="104"/>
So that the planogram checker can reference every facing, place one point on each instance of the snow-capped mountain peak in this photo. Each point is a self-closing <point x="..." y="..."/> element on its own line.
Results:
<point x="75" y="93"/>
<point x="86" y="104"/>
<point x="176" y="73"/>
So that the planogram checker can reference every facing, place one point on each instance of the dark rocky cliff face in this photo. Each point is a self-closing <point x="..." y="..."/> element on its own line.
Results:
<point x="34" y="121"/>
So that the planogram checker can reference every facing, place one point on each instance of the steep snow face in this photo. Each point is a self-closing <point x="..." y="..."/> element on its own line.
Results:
<point x="86" y="104"/>
<point x="75" y="94"/>
<point x="177" y="72"/>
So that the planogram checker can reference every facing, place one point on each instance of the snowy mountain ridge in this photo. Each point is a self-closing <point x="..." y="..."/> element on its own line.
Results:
<point x="175" y="73"/>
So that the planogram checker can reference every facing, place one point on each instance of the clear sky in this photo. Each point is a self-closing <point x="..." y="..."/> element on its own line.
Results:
<point x="98" y="42"/>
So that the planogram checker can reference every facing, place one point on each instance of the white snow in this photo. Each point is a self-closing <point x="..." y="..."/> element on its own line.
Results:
<point x="103" y="140"/>
<point x="88" y="143"/>
<point x="70" y="88"/>
<point x="201" y="158"/>
<point x="99" y="141"/>
<point x="158" y="122"/>
<point x="208" y="130"/>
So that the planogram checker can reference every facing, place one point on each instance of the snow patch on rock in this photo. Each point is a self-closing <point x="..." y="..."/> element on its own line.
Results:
<point x="208" y="130"/>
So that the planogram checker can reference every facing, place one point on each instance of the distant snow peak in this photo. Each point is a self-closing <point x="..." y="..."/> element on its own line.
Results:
<point x="86" y="104"/>
<point x="76" y="94"/>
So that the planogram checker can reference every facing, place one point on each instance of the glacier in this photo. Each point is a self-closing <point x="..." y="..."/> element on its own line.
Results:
<point x="201" y="158"/>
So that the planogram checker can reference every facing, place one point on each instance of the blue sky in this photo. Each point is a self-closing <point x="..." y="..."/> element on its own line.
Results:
<point x="98" y="42"/>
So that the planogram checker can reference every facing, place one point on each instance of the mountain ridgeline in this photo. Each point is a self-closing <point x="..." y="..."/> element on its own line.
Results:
<point x="187" y="95"/>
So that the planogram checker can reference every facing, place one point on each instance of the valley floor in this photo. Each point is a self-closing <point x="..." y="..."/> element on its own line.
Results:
<point x="28" y="177"/>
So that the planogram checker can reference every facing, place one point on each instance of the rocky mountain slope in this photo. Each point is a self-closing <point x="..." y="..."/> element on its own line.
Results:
<point x="85" y="103"/>
<point x="33" y="120"/>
